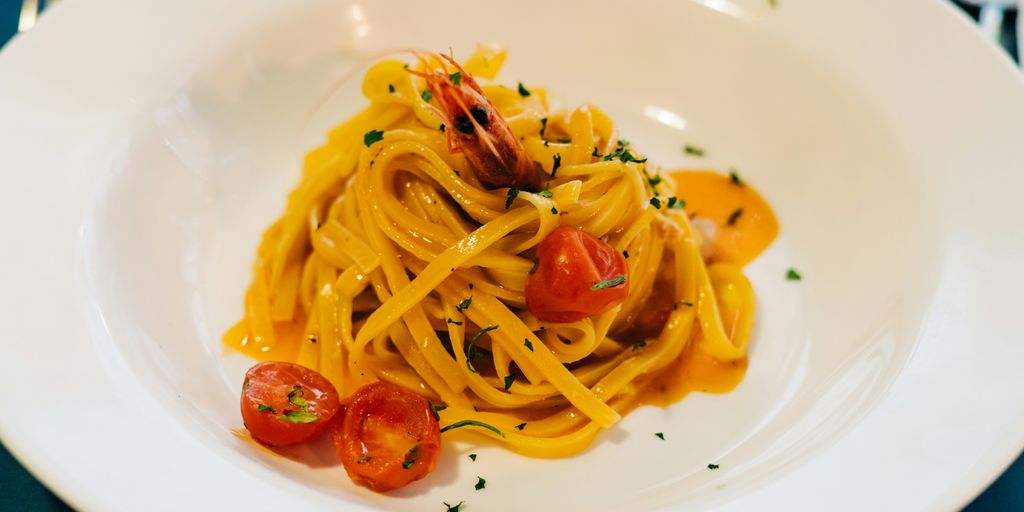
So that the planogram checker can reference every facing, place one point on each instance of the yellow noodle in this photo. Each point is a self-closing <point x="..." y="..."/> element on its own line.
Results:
<point x="399" y="266"/>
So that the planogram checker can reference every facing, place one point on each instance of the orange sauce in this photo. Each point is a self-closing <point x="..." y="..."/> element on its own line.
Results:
<point x="694" y="370"/>
<point x="286" y="334"/>
<point x="716" y="197"/>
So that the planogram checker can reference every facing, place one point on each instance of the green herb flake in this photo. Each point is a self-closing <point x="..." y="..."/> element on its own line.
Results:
<point x="454" y="508"/>
<point x="464" y="305"/>
<point x="638" y="345"/>
<point x="735" y="178"/>
<point x="262" y="408"/>
<point x="456" y="77"/>
<point x="528" y="344"/>
<point x="513" y="192"/>
<point x="453" y="322"/>
<point x="298" y="417"/>
<point x="523" y="91"/>
<point x="545" y="193"/>
<point x="623" y="155"/>
<point x="521" y="426"/>
<point x="693" y="150"/>
<point x="472" y="456"/>
<point x="674" y="203"/>
<point x="557" y="164"/>
<point x="554" y="210"/>
<point x="295" y="397"/>
<point x="426" y="95"/>
<point x="372" y="136"/>
<point x="509" y="379"/>
<point x="471" y="347"/>
<point x="480" y="483"/>
<point x="408" y="464"/>
<point x="623" y="142"/>
<point x="473" y="423"/>
<point x="363" y="458"/>
<point x="655" y="202"/>
<point x="793" y="275"/>
<point x="712" y="466"/>
<point x="660" y="435"/>
<point x="734" y="216"/>
<point x="655" y="181"/>
<point x="621" y="278"/>
<point x="391" y="88"/>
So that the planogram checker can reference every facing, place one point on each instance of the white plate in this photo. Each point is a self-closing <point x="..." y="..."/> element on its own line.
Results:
<point x="147" y="143"/>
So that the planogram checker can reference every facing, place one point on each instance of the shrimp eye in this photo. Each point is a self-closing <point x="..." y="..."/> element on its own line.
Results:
<point x="480" y="115"/>
<point x="463" y="124"/>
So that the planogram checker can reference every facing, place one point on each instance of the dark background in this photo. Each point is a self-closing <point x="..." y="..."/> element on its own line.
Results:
<point x="19" y="491"/>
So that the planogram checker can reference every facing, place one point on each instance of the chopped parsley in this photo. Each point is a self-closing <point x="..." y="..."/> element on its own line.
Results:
<point x="372" y="136"/>
<point x="545" y="193"/>
<point x="676" y="203"/>
<point x="623" y="142"/>
<point x="528" y="344"/>
<point x="735" y="178"/>
<point x="638" y="345"/>
<point x="464" y="305"/>
<point x="426" y="95"/>
<point x="453" y="322"/>
<point x="434" y="409"/>
<point x="793" y="275"/>
<point x="363" y="458"/>
<point x="693" y="150"/>
<point x="480" y="483"/>
<point x="298" y="417"/>
<point x="554" y="210"/>
<point x="655" y="180"/>
<point x="472" y="456"/>
<point x="261" y="408"/>
<point x="471" y="348"/>
<point x="472" y="423"/>
<point x="655" y="202"/>
<point x="295" y="397"/>
<point x="509" y="379"/>
<point x="609" y="283"/>
<point x="624" y="155"/>
<point x="557" y="164"/>
<point x="734" y="216"/>
<point x="521" y="426"/>
<point x="456" y="77"/>
<point x="712" y="466"/>
<point x="625" y="254"/>
<point x="523" y="91"/>
<point x="513" y="192"/>
<point x="408" y="464"/>
<point x="660" y="435"/>
<point x="391" y="88"/>
<point x="454" y="508"/>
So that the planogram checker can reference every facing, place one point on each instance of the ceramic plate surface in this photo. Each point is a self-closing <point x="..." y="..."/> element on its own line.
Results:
<point x="147" y="144"/>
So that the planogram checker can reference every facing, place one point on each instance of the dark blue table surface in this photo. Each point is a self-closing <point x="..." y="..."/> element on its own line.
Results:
<point x="20" y="491"/>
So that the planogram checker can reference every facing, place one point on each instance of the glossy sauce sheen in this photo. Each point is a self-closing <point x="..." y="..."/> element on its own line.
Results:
<point x="716" y="197"/>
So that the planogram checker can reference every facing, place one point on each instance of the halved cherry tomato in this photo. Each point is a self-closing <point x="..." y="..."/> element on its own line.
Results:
<point x="388" y="438"/>
<point x="577" y="276"/>
<point x="285" y="404"/>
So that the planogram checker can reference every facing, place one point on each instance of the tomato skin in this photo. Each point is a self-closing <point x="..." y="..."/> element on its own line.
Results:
<point x="570" y="262"/>
<point x="269" y="384"/>
<point x="388" y="438"/>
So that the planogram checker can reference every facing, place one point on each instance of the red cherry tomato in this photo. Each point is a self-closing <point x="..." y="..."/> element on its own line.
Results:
<point x="577" y="276"/>
<point x="388" y="438"/>
<point x="285" y="404"/>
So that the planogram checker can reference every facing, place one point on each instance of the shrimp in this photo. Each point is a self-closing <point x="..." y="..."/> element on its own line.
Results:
<point x="476" y="128"/>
